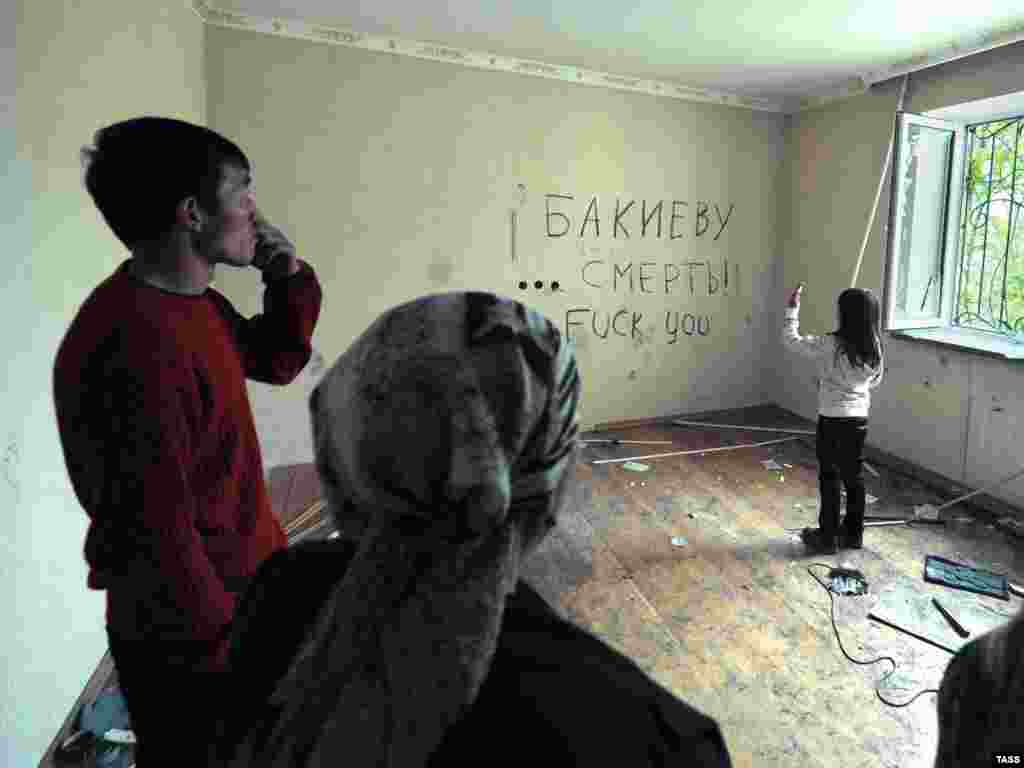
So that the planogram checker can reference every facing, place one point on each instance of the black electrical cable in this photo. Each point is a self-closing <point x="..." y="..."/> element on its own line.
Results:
<point x="878" y="693"/>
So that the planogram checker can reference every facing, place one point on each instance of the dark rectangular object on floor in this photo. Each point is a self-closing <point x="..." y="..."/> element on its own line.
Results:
<point x="939" y="570"/>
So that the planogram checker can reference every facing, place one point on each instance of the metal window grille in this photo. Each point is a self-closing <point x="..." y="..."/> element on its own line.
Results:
<point x="990" y="289"/>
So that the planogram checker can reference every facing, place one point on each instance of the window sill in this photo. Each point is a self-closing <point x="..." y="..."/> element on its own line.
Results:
<point x="979" y="342"/>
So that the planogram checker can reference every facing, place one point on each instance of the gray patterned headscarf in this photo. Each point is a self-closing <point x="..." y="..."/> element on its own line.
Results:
<point x="445" y="438"/>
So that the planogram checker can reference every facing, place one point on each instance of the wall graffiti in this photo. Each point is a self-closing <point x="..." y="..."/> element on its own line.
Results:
<point x="587" y="218"/>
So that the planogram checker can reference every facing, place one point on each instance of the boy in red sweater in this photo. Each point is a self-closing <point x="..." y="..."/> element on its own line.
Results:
<point x="154" y="416"/>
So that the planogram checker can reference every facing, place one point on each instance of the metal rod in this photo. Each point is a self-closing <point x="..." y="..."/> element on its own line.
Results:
<point x="699" y="450"/>
<point x="874" y="523"/>
<point x="685" y="423"/>
<point x="630" y="442"/>
<point x="868" y="523"/>
<point x="898" y="628"/>
<point x="995" y="485"/>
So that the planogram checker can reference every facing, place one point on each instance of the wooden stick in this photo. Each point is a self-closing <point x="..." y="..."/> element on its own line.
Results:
<point x="699" y="450"/>
<point x="307" y="514"/>
<point x="306" y="533"/>
<point x="881" y="183"/>
<point x="684" y="423"/>
<point x="298" y="524"/>
<point x="302" y="518"/>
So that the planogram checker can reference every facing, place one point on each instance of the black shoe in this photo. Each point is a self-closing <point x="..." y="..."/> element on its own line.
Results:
<point x="817" y="543"/>
<point x="849" y="540"/>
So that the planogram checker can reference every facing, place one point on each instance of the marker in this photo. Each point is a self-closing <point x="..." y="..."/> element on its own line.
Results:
<point x="952" y="622"/>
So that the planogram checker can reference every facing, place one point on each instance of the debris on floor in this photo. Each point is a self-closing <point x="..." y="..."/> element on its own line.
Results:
<point x="906" y="605"/>
<point x="679" y="541"/>
<point x="1011" y="525"/>
<point x="634" y="466"/>
<point x="771" y="464"/>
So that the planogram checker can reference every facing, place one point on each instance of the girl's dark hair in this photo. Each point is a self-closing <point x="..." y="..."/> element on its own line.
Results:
<point x="139" y="170"/>
<point x="858" y="336"/>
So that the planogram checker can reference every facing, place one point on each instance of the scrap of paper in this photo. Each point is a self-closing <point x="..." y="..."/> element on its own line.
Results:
<point x="634" y="466"/>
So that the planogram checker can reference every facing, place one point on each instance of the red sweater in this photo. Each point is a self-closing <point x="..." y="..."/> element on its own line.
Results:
<point x="161" y="448"/>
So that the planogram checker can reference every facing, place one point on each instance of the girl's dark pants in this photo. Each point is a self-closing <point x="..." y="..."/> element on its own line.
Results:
<point x="841" y="459"/>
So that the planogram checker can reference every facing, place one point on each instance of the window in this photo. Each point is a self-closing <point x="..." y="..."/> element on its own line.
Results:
<point x="956" y="241"/>
<point x="990" y="293"/>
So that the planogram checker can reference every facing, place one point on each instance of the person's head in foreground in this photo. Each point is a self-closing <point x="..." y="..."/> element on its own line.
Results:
<point x="198" y="195"/>
<point x="445" y="439"/>
<point x="981" y="700"/>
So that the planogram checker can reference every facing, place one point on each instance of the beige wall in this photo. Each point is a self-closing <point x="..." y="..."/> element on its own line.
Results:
<point x="397" y="178"/>
<point x="935" y="406"/>
<point x="79" y="66"/>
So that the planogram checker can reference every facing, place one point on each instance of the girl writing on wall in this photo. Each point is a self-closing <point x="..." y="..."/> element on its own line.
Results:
<point x="850" y="363"/>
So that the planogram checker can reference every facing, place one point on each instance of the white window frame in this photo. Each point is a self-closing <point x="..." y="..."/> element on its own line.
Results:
<point x="949" y="238"/>
<point x="939" y="328"/>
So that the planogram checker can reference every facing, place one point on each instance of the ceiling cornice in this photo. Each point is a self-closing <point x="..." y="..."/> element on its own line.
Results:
<point x="475" y="59"/>
<point x="1007" y="35"/>
<point x="531" y="67"/>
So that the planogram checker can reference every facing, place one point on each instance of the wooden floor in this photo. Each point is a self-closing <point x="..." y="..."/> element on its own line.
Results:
<point x="731" y="620"/>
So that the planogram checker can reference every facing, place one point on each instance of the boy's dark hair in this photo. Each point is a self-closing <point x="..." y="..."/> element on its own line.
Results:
<point x="139" y="170"/>
<point x="858" y="336"/>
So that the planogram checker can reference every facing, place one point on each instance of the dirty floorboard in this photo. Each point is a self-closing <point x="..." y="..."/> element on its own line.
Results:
<point x="729" y="618"/>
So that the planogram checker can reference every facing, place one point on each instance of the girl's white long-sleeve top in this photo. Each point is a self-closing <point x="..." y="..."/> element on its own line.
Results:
<point x="844" y="390"/>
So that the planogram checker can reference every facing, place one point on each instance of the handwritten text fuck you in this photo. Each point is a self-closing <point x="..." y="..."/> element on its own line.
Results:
<point x="565" y="217"/>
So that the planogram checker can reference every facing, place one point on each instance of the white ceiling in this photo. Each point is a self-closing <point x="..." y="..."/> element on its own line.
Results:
<point x="774" y="49"/>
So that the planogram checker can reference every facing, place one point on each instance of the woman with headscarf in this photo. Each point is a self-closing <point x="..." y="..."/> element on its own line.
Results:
<point x="981" y="701"/>
<point x="446" y="440"/>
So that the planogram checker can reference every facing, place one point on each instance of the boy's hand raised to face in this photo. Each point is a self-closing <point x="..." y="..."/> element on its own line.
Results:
<point x="275" y="253"/>
<point x="794" y="297"/>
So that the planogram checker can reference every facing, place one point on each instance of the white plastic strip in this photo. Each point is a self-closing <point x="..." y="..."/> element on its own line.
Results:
<point x="698" y="450"/>
<point x="684" y="423"/>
